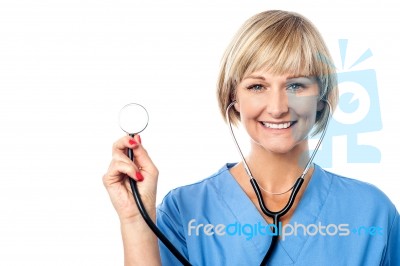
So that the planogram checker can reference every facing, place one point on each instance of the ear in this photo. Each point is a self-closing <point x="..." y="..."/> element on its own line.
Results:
<point x="320" y="106"/>
<point x="237" y="106"/>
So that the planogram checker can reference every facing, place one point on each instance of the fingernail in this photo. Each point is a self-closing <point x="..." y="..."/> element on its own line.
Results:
<point x="140" y="140"/>
<point x="132" y="142"/>
<point x="139" y="176"/>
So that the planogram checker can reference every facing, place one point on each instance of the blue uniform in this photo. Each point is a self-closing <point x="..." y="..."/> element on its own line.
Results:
<point x="339" y="221"/>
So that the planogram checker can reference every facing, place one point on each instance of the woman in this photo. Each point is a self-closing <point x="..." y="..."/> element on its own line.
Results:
<point x="277" y="74"/>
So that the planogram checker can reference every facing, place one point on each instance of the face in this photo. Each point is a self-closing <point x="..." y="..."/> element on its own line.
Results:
<point x="278" y="111"/>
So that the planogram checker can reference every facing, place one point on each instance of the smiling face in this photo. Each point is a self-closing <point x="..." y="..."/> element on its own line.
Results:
<point x="282" y="42"/>
<point x="278" y="111"/>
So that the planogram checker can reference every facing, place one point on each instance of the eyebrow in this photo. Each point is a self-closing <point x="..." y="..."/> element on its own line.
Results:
<point x="254" y="77"/>
<point x="308" y="79"/>
<point x="289" y="79"/>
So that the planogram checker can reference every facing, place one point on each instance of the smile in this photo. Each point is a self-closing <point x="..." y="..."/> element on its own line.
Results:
<point x="278" y="125"/>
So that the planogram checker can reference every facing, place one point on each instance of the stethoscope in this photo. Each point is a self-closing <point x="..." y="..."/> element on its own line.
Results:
<point x="133" y="119"/>
<point x="295" y="188"/>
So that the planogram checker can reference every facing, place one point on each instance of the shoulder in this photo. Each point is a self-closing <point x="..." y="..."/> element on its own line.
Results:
<point x="355" y="187"/>
<point x="358" y="194"/>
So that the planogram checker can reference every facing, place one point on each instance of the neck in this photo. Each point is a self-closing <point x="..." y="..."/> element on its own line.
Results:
<point x="277" y="172"/>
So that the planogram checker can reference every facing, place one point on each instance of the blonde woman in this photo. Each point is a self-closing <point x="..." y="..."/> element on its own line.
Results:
<point x="276" y="75"/>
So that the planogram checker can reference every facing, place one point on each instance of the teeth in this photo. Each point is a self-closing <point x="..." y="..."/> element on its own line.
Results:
<point x="277" y="126"/>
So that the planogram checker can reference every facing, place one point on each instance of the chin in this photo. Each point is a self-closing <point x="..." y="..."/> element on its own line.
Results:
<point x="282" y="147"/>
<point x="277" y="148"/>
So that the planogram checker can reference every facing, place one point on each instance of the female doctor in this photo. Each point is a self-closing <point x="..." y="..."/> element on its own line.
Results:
<point x="277" y="81"/>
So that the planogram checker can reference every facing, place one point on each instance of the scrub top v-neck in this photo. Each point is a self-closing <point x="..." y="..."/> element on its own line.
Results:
<point x="338" y="221"/>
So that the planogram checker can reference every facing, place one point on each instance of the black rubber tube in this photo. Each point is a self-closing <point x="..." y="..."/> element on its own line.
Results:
<point x="275" y="215"/>
<point x="150" y="222"/>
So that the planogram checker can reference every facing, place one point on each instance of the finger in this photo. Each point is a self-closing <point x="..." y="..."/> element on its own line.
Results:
<point x="142" y="158"/>
<point x="123" y="143"/>
<point x="118" y="170"/>
<point x="123" y="158"/>
<point x="118" y="155"/>
<point x="120" y="147"/>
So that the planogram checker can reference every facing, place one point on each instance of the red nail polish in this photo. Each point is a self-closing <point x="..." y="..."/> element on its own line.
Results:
<point x="132" y="142"/>
<point x="139" y="176"/>
<point x="140" y="140"/>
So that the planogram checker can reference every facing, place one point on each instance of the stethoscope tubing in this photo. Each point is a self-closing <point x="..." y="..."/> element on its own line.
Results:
<point x="274" y="215"/>
<point x="149" y="221"/>
<point x="296" y="188"/>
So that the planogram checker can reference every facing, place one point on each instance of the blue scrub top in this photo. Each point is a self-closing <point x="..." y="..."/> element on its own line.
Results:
<point x="339" y="221"/>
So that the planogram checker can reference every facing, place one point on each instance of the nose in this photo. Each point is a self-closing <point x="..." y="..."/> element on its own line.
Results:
<point x="277" y="103"/>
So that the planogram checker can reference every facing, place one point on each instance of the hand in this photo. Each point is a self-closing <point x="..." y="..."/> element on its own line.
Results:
<point x="121" y="168"/>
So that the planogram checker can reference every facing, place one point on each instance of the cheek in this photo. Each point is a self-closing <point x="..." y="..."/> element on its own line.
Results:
<point x="250" y="107"/>
<point x="304" y="106"/>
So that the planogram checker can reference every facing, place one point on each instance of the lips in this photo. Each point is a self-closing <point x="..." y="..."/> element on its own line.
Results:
<point x="283" y="125"/>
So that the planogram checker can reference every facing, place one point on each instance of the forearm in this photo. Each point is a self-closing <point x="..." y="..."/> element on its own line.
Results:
<point x="140" y="244"/>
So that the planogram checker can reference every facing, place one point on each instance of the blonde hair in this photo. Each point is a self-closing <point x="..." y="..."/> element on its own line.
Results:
<point x="283" y="43"/>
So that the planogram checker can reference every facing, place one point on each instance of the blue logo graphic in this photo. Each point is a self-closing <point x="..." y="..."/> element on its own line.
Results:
<point x="358" y="111"/>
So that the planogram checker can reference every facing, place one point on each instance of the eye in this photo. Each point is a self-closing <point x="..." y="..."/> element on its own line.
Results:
<point x="295" y="87"/>
<point x="255" y="87"/>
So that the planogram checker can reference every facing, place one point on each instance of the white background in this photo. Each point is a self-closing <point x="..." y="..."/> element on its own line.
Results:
<point x="68" y="66"/>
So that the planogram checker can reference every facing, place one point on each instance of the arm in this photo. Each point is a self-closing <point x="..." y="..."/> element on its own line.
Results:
<point x="392" y="255"/>
<point x="140" y="244"/>
<point x="169" y="221"/>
